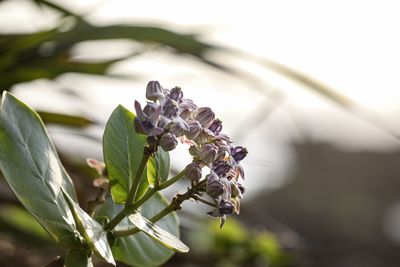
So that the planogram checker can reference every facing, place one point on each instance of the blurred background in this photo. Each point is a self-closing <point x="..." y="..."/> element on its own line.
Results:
<point x="310" y="87"/>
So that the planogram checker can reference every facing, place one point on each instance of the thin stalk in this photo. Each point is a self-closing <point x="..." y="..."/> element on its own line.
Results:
<point x="138" y="176"/>
<point x="131" y="208"/>
<point x="173" y="206"/>
<point x="172" y="180"/>
<point x="205" y="201"/>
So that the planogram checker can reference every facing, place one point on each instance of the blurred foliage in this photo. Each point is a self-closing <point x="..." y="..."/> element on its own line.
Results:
<point x="235" y="246"/>
<point x="20" y="224"/>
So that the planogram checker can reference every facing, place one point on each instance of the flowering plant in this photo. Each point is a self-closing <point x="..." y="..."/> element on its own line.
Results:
<point x="130" y="221"/>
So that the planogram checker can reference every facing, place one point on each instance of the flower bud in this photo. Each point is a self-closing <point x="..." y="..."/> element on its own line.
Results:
<point x="214" y="187"/>
<point x="168" y="141"/>
<point x="150" y="108"/>
<point x="238" y="153"/>
<point x="205" y="116"/>
<point x="193" y="171"/>
<point x="221" y="168"/>
<point x="202" y="137"/>
<point x="170" y="108"/>
<point x="225" y="207"/>
<point x="154" y="91"/>
<point x="178" y="126"/>
<point x="194" y="130"/>
<point x="216" y="126"/>
<point x="176" y="94"/>
<point x="208" y="153"/>
<point x="193" y="150"/>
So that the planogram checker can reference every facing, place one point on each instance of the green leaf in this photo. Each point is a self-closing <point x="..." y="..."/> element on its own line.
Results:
<point x="91" y="230"/>
<point x="158" y="167"/>
<point x="165" y="238"/>
<point x="123" y="151"/>
<point x="139" y="249"/>
<point x="23" y="227"/>
<point x="31" y="166"/>
<point x="78" y="258"/>
<point x="64" y="119"/>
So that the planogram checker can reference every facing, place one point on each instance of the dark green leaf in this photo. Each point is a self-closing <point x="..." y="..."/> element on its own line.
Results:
<point x="158" y="167"/>
<point x="32" y="168"/>
<point x="91" y="231"/>
<point x="64" y="119"/>
<point x="78" y="258"/>
<point x="139" y="249"/>
<point x="123" y="151"/>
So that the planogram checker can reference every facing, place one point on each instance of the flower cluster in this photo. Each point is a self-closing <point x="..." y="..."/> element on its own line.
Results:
<point x="168" y="116"/>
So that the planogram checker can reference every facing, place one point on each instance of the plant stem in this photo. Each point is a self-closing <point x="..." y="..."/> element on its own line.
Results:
<point x="172" y="180"/>
<point x="205" y="201"/>
<point x="131" y="208"/>
<point x="135" y="183"/>
<point x="173" y="206"/>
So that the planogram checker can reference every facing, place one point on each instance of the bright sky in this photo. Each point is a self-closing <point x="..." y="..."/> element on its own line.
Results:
<point x="353" y="46"/>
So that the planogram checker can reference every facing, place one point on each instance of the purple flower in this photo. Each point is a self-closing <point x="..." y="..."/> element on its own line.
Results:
<point x="178" y="126"/>
<point x="193" y="171"/>
<point x="208" y="153"/>
<point x="147" y="124"/>
<point x="221" y="168"/>
<point x="214" y="187"/>
<point x="216" y="126"/>
<point x="194" y="130"/>
<point x="170" y="108"/>
<point x="154" y="91"/>
<point x="168" y="142"/>
<point x="238" y="153"/>
<point x="176" y="94"/>
<point x="205" y="116"/>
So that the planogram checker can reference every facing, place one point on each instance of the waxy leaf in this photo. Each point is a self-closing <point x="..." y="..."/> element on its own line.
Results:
<point x="158" y="167"/>
<point x="78" y="258"/>
<point x="157" y="233"/>
<point x="91" y="231"/>
<point x="123" y="151"/>
<point x="139" y="249"/>
<point x="30" y="164"/>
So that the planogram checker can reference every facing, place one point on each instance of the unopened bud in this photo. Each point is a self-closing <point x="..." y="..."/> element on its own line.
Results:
<point x="216" y="126"/>
<point x="170" y="108"/>
<point x="238" y="153"/>
<point x="194" y="130"/>
<point x="193" y="150"/>
<point x="205" y="116"/>
<point x="150" y="108"/>
<point x="178" y="126"/>
<point x="225" y="207"/>
<point x="176" y="94"/>
<point x="214" y="187"/>
<point x="221" y="168"/>
<point x="208" y="153"/>
<point x="168" y="142"/>
<point x="193" y="171"/>
<point x="154" y="91"/>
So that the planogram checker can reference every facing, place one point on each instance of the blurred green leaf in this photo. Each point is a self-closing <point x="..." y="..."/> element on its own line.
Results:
<point x="139" y="249"/>
<point x="23" y="226"/>
<point x="158" y="167"/>
<point x="32" y="168"/>
<point x="78" y="258"/>
<point x="64" y="119"/>
<point x="91" y="230"/>
<point x="123" y="151"/>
